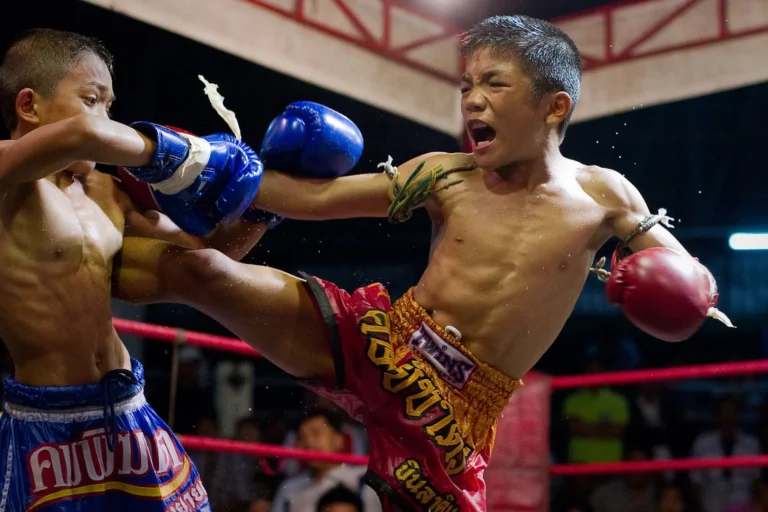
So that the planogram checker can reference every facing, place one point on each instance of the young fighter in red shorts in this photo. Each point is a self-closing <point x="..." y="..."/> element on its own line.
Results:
<point x="516" y="228"/>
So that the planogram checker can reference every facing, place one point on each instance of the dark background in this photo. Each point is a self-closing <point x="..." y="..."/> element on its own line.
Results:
<point x="701" y="158"/>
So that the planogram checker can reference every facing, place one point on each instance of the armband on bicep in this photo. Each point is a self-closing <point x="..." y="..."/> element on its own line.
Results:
<point x="418" y="188"/>
<point x="622" y="248"/>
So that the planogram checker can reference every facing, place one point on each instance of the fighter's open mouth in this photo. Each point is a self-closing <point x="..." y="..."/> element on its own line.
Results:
<point x="481" y="134"/>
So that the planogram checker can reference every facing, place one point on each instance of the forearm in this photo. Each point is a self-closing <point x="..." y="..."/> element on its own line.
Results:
<point x="362" y="195"/>
<point x="55" y="147"/>
<point x="237" y="239"/>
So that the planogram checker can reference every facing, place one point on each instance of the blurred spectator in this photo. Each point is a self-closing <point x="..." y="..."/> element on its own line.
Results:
<point x="320" y="430"/>
<point x="631" y="493"/>
<point x="597" y="418"/>
<point x="340" y="499"/>
<point x="672" y="497"/>
<point x="720" y="488"/>
<point x="355" y="438"/>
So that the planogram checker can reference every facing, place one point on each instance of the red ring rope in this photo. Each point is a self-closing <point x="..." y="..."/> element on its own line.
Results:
<point x="171" y="335"/>
<point x="742" y="461"/>
<point x="268" y="450"/>
<point x="234" y="345"/>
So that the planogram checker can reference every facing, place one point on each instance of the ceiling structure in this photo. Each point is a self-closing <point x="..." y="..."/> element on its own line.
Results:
<point x="466" y="12"/>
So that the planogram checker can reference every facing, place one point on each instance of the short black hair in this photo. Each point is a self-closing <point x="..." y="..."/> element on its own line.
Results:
<point x="547" y="55"/>
<point x="340" y="494"/>
<point x="331" y="418"/>
<point x="39" y="59"/>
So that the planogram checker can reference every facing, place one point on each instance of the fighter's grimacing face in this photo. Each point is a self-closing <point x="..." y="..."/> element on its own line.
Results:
<point x="87" y="88"/>
<point x="502" y="120"/>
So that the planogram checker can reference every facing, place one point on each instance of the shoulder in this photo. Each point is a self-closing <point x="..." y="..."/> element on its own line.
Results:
<point x="574" y="399"/>
<point x="749" y="441"/>
<point x="706" y="441"/>
<point x="613" y="398"/>
<point x="608" y="188"/>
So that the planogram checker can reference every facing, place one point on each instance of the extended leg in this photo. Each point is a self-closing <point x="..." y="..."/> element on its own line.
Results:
<point x="271" y="310"/>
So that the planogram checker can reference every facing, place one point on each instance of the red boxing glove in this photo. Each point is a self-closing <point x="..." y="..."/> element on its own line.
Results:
<point x="664" y="293"/>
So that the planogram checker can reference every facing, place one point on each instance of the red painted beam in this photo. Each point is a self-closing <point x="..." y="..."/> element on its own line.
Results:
<point x="656" y="28"/>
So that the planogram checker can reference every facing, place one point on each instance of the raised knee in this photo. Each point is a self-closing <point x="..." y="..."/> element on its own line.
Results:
<point x="202" y="266"/>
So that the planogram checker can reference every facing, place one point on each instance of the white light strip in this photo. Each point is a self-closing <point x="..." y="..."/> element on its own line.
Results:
<point x="748" y="241"/>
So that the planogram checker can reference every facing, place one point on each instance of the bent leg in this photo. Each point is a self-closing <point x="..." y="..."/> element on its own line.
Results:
<point x="270" y="310"/>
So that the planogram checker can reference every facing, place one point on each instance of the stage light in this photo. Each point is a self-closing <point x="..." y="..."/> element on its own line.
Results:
<point x="748" y="241"/>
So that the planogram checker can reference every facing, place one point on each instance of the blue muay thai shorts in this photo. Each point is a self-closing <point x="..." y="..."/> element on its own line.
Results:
<point x="94" y="447"/>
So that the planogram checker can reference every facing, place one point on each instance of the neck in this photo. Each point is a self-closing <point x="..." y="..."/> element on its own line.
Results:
<point x="531" y="172"/>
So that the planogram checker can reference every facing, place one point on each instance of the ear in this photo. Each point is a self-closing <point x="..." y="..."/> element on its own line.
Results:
<point x="26" y="107"/>
<point x="559" y="106"/>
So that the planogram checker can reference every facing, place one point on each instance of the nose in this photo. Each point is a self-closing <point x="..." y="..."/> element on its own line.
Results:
<point x="475" y="101"/>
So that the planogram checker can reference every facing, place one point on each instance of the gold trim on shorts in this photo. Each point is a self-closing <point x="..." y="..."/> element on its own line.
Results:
<point x="478" y="406"/>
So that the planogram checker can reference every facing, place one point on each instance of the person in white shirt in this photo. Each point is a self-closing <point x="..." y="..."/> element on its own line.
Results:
<point x="721" y="488"/>
<point x="320" y="431"/>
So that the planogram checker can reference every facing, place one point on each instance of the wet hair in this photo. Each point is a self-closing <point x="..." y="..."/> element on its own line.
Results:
<point x="340" y="494"/>
<point x="39" y="59"/>
<point x="546" y="54"/>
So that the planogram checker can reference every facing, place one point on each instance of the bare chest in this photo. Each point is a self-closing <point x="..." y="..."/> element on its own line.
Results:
<point x="61" y="227"/>
<point x="549" y="231"/>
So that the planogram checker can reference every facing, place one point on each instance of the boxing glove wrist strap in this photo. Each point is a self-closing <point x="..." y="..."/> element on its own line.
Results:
<point x="188" y="171"/>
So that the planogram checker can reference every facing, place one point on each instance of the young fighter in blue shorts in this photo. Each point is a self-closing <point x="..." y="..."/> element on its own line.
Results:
<point x="77" y="433"/>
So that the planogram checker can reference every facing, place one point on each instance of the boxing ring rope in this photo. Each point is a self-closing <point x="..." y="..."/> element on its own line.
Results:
<point x="233" y="345"/>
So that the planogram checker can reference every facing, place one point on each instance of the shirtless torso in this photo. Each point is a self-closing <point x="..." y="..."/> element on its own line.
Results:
<point x="58" y="238"/>
<point x="507" y="263"/>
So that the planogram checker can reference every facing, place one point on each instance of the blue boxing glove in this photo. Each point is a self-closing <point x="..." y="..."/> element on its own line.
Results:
<point x="309" y="139"/>
<point x="198" y="182"/>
